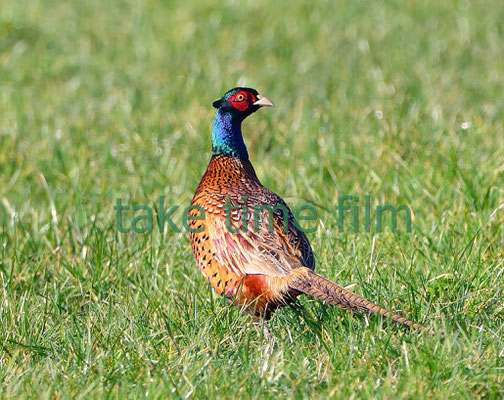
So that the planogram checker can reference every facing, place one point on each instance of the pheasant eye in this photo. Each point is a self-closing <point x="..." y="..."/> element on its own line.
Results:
<point x="240" y="97"/>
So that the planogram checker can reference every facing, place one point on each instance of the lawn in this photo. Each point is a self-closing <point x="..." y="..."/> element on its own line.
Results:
<point x="107" y="100"/>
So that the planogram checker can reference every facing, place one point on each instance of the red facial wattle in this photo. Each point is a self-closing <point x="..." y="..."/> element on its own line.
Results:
<point x="242" y="105"/>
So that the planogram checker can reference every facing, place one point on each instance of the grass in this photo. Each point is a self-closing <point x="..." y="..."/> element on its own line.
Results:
<point x="105" y="100"/>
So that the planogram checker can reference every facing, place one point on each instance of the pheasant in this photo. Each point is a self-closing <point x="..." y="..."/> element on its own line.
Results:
<point x="269" y="264"/>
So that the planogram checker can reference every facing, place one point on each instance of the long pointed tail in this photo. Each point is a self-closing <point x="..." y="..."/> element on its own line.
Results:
<point x="317" y="286"/>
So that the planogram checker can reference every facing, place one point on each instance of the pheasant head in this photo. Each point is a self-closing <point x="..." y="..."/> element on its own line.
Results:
<point x="232" y="108"/>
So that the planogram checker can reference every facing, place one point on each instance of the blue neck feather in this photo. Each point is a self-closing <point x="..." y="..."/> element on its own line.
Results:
<point x="227" y="136"/>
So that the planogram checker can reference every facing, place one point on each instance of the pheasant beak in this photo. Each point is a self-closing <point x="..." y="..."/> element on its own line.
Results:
<point x="263" y="102"/>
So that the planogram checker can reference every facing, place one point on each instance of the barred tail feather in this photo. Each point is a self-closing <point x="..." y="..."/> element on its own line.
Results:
<point x="317" y="286"/>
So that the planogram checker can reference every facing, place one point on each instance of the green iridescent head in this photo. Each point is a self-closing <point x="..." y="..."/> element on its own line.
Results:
<point x="242" y="101"/>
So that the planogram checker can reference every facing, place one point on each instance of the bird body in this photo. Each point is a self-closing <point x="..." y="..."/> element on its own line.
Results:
<point x="244" y="237"/>
<point x="246" y="266"/>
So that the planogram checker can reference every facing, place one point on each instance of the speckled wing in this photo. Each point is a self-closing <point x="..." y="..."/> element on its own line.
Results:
<point x="257" y="250"/>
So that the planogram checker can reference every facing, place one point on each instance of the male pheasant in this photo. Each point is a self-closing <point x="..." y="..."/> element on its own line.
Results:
<point x="258" y="258"/>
